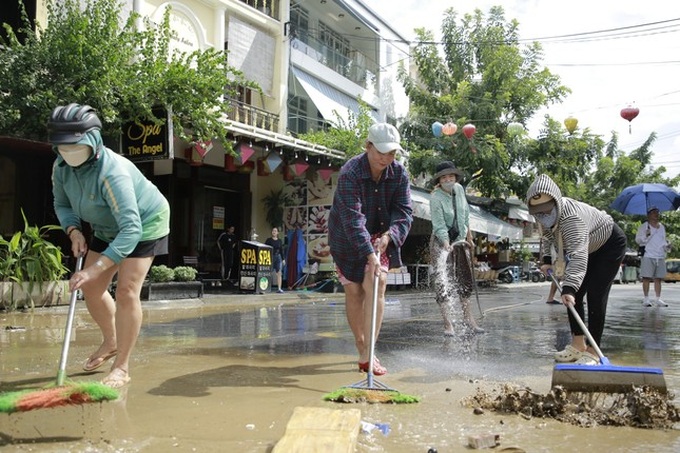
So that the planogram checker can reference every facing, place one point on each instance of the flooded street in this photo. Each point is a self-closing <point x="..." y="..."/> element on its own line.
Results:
<point x="225" y="373"/>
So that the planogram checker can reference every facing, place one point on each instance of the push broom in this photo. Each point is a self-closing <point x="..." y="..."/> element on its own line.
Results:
<point x="61" y="393"/>
<point x="605" y="377"/>
<point x="370" y="389"/>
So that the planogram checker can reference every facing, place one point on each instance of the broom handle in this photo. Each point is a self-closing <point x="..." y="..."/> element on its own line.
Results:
<point x="61" y="374"/>
<point x="580" y="322"/>
<point x="374" y="314"/>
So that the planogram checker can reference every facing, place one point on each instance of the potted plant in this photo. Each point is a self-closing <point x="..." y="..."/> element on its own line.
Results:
<point x="31" y="268"/>
<point x="274" y="204"/>
<point x="166" y="283"/>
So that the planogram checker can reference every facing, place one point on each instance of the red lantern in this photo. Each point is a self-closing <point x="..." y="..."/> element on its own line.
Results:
<point x="449" y="128"/>
<point x="629" y="113"/>
<point x="469" y="130"/>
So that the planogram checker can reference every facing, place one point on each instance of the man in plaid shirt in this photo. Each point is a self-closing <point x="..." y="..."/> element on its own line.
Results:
<point x="371" y="214"/>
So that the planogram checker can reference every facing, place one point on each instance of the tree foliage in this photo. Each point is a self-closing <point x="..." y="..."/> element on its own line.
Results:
<point x="346" y="136"/>
<point x="90" y="54"/>
<point x="482" y="76"/>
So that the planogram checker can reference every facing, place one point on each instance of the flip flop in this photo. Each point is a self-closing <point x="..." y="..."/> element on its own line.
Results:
<point x="116" y="379"/>
<point x="378" y="369"/>
<point x="98" y="361"/>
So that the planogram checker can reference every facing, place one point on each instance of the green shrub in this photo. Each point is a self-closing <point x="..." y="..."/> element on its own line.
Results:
<point x="185" y="274"/>
<point x="161" y="273"/>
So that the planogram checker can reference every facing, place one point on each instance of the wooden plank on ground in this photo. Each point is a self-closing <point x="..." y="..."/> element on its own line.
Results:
<point x="312" y="429"/>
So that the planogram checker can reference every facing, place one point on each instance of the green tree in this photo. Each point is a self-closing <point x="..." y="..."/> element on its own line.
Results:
<point x="90" y="54"/>
<point x="347" y="136"/>
<point x="484" y="77"/>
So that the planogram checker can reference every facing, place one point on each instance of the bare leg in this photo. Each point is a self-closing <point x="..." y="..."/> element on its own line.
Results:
<point x="354" y="309"/>
<point x="657" y="287"/>
<point x="102" y="308"/>
<point x="131" y="276"/>
<point x="445" y="309"/>
<point x="645" y="287"/>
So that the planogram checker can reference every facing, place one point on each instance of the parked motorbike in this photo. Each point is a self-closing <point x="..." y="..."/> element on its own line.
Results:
<point x="509" y="274"/>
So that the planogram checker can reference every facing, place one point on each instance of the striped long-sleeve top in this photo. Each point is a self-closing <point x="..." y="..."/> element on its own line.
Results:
<point x="583" y="229"/>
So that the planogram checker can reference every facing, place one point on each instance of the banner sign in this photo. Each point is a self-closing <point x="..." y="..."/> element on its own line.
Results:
<point x="146" y="141"/>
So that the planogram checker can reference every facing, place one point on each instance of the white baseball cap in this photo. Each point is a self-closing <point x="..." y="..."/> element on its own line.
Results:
<point x="384" y="137"/>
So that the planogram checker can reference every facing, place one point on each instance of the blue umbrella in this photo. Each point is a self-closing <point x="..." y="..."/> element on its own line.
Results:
<point x="639" y="198"/>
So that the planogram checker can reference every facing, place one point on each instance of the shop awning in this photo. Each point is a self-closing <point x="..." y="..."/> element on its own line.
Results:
<point x="328" y="100"/>
<point x="481" y="221"/>
<point x="517" y="212"/>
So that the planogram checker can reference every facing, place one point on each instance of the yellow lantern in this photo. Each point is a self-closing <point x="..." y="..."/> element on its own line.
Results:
<point x="571" y="124"/>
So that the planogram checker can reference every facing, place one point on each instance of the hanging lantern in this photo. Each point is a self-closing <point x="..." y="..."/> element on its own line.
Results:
<point x="570" y="123"/>
<point x="325" y="173"/>
<point x="272" y="161"/>
<point x="629" y="113"/>
<point x="449" y="128"/>
<point x="202" y="148"/>
<point x="437" y="129"/>
<point x="469" y="130"/>
<point x="244" y="153"/>
<point x="515" y="129"/>
<point x="299" y="167"/>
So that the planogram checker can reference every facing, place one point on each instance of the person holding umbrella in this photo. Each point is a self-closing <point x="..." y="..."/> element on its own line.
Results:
<point x="593" y="246"/>
<point x="652" y="236"/>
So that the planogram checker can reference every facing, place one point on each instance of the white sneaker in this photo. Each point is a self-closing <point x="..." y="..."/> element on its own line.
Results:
<point x="661" y="303"/>
<point x="646" y="302"/>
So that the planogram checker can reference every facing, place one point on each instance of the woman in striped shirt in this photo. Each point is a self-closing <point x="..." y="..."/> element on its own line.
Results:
<point x="594" y="247"/>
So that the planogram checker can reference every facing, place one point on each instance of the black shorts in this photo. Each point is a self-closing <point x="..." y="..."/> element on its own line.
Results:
<point x="144" y="249"/>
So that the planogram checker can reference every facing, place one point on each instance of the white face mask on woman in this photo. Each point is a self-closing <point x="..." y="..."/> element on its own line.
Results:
<point x="76" y="154"/>
<point x="547" y="219"/>
<point x="448" y="185"/>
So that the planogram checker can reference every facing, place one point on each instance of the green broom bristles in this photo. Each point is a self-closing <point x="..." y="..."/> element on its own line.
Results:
<point x="358" y="395"/>
<point x="72" y="393"/>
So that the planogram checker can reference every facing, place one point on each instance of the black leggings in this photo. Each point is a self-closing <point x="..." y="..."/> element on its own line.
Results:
<point x="603" y="264"/>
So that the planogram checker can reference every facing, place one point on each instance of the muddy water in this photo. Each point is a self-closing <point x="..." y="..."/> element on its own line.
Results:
<point x="224" y="374"/>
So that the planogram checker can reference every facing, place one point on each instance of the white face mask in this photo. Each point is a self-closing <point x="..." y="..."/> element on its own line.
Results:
<point x="75" y="155"/>
<point x="547" y="219"/>
<point x="448" y="185"/>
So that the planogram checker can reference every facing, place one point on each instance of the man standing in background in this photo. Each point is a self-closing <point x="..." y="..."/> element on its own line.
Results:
<point x="652" y="236"/>
<point x="226" y="242"/>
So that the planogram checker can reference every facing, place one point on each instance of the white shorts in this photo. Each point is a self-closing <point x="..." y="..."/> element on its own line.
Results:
<point x="652" y="268"/>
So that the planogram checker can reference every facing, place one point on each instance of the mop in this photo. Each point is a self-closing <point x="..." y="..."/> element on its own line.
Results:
<point x="370" y="389"/>
<point x="605" y="377"/>
<point x="61" y="393"/>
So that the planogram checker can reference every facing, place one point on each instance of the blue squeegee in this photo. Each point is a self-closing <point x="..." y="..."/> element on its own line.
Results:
<point x="604" y="377"/>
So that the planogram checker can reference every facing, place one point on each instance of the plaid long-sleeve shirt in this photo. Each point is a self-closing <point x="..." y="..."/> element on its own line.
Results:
<point x="361" y="208"/>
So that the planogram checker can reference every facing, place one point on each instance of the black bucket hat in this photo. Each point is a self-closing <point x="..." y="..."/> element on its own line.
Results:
<point x="446" y="168"/>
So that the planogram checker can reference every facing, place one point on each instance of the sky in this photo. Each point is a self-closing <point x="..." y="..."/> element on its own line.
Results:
<point x="638" y="66"/>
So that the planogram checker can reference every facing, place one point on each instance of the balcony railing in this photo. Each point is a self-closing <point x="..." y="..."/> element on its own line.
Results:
<point x="356" y="67"/>
<point x="268" y="7"/>
<point x="253" y="116"/>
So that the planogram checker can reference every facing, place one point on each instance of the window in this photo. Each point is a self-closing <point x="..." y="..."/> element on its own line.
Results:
<point x="299" y="23"/>
<point x="297" y="114"/>
<point x="336" y="48"/>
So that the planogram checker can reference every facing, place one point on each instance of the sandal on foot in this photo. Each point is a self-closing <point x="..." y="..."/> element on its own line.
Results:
<point x="378" y="369"/>
<point x="93" y="363"/>
<point x="588" y="359"/>
<point x="570" y="354"/>
<point x="117" y="378"/>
